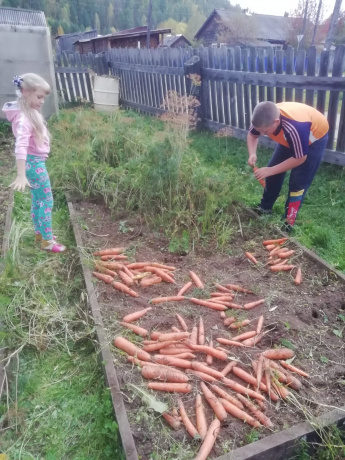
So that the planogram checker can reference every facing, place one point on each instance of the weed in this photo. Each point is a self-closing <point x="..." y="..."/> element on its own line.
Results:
<point x="252" y="436"/>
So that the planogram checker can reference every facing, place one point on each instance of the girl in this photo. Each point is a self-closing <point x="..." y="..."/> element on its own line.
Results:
<point x="32" y="147"/>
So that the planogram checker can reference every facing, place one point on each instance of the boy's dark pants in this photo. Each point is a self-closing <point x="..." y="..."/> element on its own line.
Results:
<point x="301" y="178"/>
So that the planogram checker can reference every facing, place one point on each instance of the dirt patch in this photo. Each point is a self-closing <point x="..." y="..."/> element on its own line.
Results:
<point x="309" y="318"/>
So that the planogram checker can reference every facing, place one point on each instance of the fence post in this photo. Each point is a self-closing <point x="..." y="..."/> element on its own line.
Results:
<point x="192" y="71"/>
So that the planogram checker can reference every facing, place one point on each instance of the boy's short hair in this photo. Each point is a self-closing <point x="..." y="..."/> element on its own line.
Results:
<point x="264" y="114"/>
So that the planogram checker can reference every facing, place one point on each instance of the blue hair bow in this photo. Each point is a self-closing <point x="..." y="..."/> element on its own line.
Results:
<point x="17" y="81"/>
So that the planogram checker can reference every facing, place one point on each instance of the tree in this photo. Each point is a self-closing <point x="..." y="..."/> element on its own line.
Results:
<point x="333" y="24"/>
<point x="97" y="23"/>
<point x="195" y="22"/>
<point x="60" y="30"/>
<point x="110" y="16"/>
<point x="306" y="15"/>
<point x="176" y="27"/>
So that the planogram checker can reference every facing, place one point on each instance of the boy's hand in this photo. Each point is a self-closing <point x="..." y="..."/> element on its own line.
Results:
<point x="252" y="160"/>
<point x="262" y="173"/>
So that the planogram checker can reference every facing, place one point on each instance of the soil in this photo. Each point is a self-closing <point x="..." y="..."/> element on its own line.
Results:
<point x="308" y="318"/>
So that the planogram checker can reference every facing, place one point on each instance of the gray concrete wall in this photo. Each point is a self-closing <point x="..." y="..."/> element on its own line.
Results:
<point x="26" y="49"/>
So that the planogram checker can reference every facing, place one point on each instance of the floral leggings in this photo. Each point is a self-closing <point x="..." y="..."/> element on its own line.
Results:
<point x="41" y="196"/>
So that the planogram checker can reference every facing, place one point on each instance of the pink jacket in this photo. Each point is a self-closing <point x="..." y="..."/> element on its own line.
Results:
<point x="24" y="134"/>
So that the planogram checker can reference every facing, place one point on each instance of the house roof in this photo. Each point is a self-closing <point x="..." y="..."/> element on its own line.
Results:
<point x="268" y="27"/>
<point x="170" y="40"/>
<point x="135" y="32"/>
<point x="20" y="17"/>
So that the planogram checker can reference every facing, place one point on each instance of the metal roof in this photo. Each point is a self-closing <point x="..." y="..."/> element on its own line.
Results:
<point x="19" y="17"/>
<point x="267" y="27"/>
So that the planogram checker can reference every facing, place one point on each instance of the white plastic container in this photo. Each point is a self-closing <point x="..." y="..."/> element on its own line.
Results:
<point x="106" y="93"/>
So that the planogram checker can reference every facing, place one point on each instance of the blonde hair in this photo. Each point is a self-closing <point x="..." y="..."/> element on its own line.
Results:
<point x="32" y="82"/>
<point x="265" y="114"/>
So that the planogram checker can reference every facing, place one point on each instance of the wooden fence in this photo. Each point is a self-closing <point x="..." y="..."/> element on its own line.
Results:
<point x="233" y="80"/>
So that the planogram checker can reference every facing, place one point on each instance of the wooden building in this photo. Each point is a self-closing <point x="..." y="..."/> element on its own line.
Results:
<point x="65" y="42"/>
<point x="174" y="41"/>
<point x="240" y="28"/>
<point x="129" y="38"/>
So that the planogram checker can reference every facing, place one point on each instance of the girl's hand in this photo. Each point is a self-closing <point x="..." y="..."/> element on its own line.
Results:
<point x="262" y="173"/>
<point x="252" y="159"/>
<point x="20" y="183"/>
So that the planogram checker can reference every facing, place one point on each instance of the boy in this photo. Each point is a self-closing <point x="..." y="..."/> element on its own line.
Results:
<point x="301" y="133"/>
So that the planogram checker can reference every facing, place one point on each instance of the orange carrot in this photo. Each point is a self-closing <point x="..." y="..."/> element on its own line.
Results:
<point x="236" y="287"/>
<point x="209" y="358"/>
<point x="155" y="334"/>
<point x="136" y="329"/>
<point x="213" y="402"/>
<point x="150" y="281"/>
<point x="210" y="351"/>
<point x="244" y="336"/>
<point x="172" y="298"/>
<point x="219" y="296"/>
<point x="196" y="280"/>
<point x="172" y="361"/>
<point x="173" y="421"/>
<point x="254" y="340"/>
<point x="225" y="395"/>
<point x="239" y="324"/>
<point x="125" y="278"/>
<point x="255" y="411"/>
<point x="114" y="257"/>
<point x="185" y="355"/>
<point x="136" y="315"/>
<point x="275" y="251"/>
<point x="163" y="373"/>
<point x="173" y="336"/>
<point x="278" y="241"/>
<point x="259" y="369"/>
<point x="128" y="272"/>
<point x="250" y="305"/>
<point x="105" y="270"/>
<point x="185" y="288"/>
<point x="110" y="251"/>
<point x="284" y="376"/>
<point x="175" y="329"/>
<point x="228" y="368"/>
<point x="229" y="320"/>
<point x="251" y="257"/>
<point x="294" y="369"/>
<point x="280" y="389"/>
<point x="138" y="265"/>
<point x="241" y="389"/>
<point x="125" y="289"/>
<point x="161" y="273"/>
<point x="298" y="277"/>
<point x="202" y="375"/>
<point x="157" y="345"/>
<point x="194" y="336"/>
<point x="239" y="413"/>
<point x="231" y="343"/>
<point x="101" y="276"/>
<point x="131" y="349"/>
<point x="281" y="267"/>
<point x="201" y="423"/>
<point x="223" y="288"/>
<point x="212" y="305"/>
<point x="110" y="265"/>
<point x="182" y="323"/>
<point x="197" y="366"/>
<point x="170" y="387"/>
<point x="209" y="440"/>
<point x="261" y="181"/>
<point x="192" y="431"/>
<point x="163" y="266"/>
<point x="286" y="254"/>
<point x="201" y="332"/>
<point x="269" y="247"/>
<point x="260" y="324"/>
<point x="170" y="351"/>
<point x="279" y="353"/>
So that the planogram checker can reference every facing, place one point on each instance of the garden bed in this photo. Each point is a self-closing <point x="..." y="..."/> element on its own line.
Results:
<point x="308" y="318"/>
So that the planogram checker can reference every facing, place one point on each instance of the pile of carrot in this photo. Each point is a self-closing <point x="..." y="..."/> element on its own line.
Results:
<point x="278" y="258"/>
<point x="186" y="360"/>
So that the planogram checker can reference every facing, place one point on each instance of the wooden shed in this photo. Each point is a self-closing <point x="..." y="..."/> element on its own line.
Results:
<point x="174" y="41"/>
<point x="129" y="38"/>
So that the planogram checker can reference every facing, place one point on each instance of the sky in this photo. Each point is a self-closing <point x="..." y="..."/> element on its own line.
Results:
<point x="277" y="7"/>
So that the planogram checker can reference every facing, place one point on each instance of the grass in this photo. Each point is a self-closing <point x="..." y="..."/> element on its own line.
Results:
<point x="56" y="404"/>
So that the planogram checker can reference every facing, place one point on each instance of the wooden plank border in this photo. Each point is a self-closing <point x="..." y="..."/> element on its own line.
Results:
<point x="105" y="355"/>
